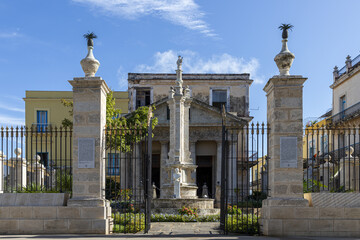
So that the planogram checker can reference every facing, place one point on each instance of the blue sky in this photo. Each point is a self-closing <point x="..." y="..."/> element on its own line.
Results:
<point x="41" y="43"/>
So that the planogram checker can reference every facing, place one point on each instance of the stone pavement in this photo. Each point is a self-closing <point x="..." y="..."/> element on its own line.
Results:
<point x="172" y="230"/>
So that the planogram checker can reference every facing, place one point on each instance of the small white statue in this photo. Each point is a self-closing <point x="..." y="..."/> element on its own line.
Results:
<point x="177" y="180"/>
<point x="179" y="62"/>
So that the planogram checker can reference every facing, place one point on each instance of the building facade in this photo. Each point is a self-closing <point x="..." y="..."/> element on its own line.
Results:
<point x="209" y="92"/>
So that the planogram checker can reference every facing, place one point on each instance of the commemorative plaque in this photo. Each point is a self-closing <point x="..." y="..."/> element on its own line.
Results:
<point x="288" y="152"/>
<point x="86" y="153"/>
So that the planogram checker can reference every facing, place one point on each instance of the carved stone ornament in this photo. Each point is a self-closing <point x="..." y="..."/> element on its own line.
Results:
<point x="284" y="59"/>
<point x="89" y="64"/>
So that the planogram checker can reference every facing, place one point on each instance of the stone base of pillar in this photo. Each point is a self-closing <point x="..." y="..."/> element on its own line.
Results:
<point x="270" y="213"/>
<point x="298" y="202"/>
<point x="88" y="202"/>
<point x="186" y="192"/>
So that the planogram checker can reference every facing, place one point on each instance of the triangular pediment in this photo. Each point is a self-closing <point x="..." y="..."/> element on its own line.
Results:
<point x="201" y="113"/>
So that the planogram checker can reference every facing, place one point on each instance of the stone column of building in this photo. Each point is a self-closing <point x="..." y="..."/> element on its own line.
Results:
<point x="164" y="176"/>
<point x="89" y="112"/>
<point x="179" y="154"/>
<point x="285" y="118"/>
<point x="218" y="172"/>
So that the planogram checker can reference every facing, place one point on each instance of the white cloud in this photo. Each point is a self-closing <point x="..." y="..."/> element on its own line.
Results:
<point x="11" y="121"/>
<point x="9" y="34"/>
<point x="165" y="62"/>
<point x="185" y="13"/>
<point x="10" y="108"/>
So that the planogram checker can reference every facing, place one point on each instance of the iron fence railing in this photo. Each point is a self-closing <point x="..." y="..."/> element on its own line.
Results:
<point x="35" y="161"/>
<point x="244" y="177"/>
<point x="331" y="159"/>
<point x="128" y="180"/>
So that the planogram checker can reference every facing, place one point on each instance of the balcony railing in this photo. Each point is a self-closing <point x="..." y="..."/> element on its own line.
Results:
<point x="347" y="114"/>
<point x="40" y="127"/>
<point x="354" y="61"/>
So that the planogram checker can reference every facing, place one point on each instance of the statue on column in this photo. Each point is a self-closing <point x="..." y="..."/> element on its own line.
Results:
<point x="179" y="80"/>
<point x="179" y="62"/>
<point x="177" y="181"/>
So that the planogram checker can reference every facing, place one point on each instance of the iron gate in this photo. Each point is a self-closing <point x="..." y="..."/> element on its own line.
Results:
<point x="128" y="177"/>
<point x="244" y="178"/>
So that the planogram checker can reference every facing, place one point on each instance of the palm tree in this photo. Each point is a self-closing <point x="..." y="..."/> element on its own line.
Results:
<point x="90" y="36"/>
<point x="285" y="27"/>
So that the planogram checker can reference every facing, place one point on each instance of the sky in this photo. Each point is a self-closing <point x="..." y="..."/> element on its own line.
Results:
<point x="41" y="44"/>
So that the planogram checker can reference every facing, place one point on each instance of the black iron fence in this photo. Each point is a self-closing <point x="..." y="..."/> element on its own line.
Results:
<point x="35" y="159"/>
<point x="244" y="177"/>
<point x="331" y="159"/>
<point x="128" y="177"/>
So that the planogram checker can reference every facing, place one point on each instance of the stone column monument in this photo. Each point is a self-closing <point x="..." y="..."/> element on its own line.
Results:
<point x="18" y="176"/>
<point x="89" y="96"/>
<point x="179" y="154"/>
<point x="284" y="115"/>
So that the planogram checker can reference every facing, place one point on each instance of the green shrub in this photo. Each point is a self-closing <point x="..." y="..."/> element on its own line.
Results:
<point x="128" y="222"/>
<point x="33" y="188"/>
<point x="183" y="218"/>
<point x="233" y="210"/>
<point x="246" y="223"/>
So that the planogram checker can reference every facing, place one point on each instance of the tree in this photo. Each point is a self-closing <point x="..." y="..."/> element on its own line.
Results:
<point x="121" y="132"/>
<point x="285" y="27"/>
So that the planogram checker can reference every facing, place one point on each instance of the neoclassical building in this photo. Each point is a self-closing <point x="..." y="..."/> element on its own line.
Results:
<point x="208" y="93"/>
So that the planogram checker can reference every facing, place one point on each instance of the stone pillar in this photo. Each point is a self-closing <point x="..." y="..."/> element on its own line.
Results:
<point x="285" y="118"/>
<point x="164" y="176"/>
<point x="218" y="173"/>
<point x="326" y="172"/>
<point x="18" y="175"/>
<point x="89" y="97"/>
<point x="38" y="173"/>
<point x="193" y="151"/>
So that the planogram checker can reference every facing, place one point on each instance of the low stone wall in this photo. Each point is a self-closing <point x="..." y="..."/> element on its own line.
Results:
<point x="326" y="199"/>
<point x="34" y="199"/>
<point x="310" y="221"/>
<point x="47" y="213"/>
<point x="54" y="220"/>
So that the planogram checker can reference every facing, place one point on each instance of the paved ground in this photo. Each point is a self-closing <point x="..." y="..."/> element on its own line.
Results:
<point x="162" y="231"/>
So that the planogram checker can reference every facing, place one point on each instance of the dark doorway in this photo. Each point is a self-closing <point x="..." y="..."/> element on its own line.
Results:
<point x="204" y="174"/>
<point x="156" y="172"/>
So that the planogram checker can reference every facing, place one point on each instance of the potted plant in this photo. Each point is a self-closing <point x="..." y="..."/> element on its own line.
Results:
<point x="89" y="37"/>
<point x="285" y="27"/>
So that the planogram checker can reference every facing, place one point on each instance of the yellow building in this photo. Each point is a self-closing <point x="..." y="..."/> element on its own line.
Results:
<point x="259" y="175"/>
<point x="346" y="97"/>
<point x="315" y="139"/>
<point x="44" y="112"/>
